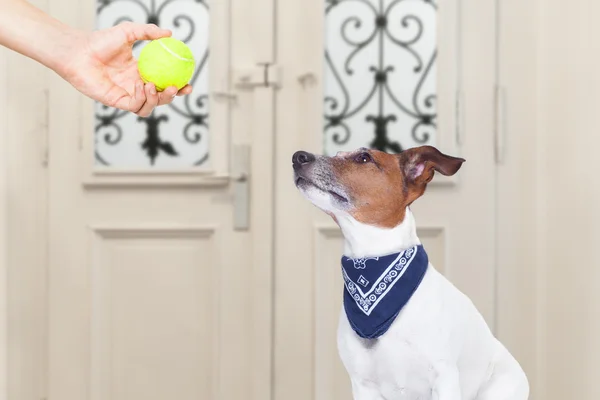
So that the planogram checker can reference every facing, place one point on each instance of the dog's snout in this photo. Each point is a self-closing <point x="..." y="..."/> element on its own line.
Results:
<point x="302" y="157"/>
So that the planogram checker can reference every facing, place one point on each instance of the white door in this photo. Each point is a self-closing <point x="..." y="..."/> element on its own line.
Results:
<point x="158" y="282"/>
<point x="365" y="73"/>
<point x="158" y="285"/>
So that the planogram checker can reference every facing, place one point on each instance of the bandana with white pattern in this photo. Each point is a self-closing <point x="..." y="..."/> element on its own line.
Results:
<point x="377" y="288"/>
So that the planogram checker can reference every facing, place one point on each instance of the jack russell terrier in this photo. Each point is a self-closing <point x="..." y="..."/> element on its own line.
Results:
<point x="405" y="332"/>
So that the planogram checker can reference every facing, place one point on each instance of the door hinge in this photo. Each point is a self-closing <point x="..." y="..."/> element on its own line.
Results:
<point x="263" y="75"/>
<point x="499" y="124"/>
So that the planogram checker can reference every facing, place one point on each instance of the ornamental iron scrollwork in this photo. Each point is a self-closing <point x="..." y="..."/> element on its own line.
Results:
<point x="380" y="61"/>
<point x="175" y="135"/>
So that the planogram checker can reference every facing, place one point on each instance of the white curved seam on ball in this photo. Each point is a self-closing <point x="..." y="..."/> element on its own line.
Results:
<point x="174" y="54"/>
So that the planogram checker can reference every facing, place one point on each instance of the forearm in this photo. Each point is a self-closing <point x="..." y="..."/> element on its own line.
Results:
<point x="29" y="31"/>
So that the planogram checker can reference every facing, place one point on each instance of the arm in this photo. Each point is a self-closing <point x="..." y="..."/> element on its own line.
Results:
<point x="29" y="31"/>
<point x="98" y="64"/>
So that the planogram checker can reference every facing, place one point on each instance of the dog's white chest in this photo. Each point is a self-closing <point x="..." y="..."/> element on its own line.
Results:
<point x="390" y="368"/>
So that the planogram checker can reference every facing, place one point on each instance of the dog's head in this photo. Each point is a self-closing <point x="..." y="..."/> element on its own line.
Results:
<point x="371" y="186"/>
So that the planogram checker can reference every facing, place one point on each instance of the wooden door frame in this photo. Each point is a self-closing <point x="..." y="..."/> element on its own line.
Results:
<point x="3" y="229"/>
<point x="520" y="215"/>
<point x="23" y="127"/>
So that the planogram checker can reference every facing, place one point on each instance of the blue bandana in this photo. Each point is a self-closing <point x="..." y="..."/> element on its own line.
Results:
<point x="376" y="288"/>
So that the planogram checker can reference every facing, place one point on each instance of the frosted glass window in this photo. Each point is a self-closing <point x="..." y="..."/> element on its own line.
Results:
<point x="380" y="74"/>
<point x="174" y="136"/>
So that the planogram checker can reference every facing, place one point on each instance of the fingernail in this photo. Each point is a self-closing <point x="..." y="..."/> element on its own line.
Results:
<point x="153" y="89"/>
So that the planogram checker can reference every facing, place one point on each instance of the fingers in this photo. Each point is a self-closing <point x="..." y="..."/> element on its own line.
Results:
<point x="146" y="98"/>
<point x="171" y="92"/>
<point x="167" y="96"/>
<point x="151" y="101"/>
<point x="136" y="102"/>
<point x="135" y="31"/>
<point x="187" y="89"/>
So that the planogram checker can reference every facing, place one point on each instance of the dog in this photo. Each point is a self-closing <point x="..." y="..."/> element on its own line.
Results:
<point x="405" y="332"/>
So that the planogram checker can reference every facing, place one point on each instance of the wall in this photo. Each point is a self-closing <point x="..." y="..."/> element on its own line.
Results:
<point x="568" y="106"/>
<point x="549" y="196"/>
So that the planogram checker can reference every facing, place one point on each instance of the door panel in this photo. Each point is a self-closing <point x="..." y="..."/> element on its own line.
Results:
<point x="154" y="312"/>
<point x="149" y="294"/>
<point x="331" y="381"/>
<point x="455" y="218"/>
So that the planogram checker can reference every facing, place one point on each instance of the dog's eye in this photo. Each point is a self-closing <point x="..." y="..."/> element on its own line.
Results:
<point x="363" y="158"/>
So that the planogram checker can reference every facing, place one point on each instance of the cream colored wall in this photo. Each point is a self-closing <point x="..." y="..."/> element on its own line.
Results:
<point x="569" y="196"/>
<point x="549" y="197"/>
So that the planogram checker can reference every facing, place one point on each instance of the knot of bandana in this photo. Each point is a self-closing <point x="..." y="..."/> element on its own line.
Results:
<point x="377" y="288"/>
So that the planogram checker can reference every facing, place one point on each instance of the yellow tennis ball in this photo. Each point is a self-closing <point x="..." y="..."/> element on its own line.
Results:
<point x="166" y="62"/>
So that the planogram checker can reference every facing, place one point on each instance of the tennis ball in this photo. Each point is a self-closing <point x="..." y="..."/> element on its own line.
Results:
<point x="166" y="62"/>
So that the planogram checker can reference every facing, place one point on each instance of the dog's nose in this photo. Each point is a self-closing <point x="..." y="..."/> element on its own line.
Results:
<point x="302" y="157"/>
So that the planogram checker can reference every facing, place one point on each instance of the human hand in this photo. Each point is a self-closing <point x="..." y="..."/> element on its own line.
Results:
<point x="103" y="68"/>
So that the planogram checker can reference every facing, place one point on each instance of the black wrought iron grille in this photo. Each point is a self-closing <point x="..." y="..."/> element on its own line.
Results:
<point x="380" y="61"/>
<point x="179" y="131"/>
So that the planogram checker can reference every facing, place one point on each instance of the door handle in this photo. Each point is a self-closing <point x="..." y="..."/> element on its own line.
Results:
<point x="241" y="187"/>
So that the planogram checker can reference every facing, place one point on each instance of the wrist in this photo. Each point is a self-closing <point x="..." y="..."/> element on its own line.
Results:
<point x="61" y="54"/>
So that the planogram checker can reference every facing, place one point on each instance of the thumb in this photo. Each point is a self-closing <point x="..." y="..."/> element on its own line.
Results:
<point x="135" y="31"/>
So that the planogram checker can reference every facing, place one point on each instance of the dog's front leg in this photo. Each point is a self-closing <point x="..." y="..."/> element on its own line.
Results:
<point x="447" y="383"/>
<point x="364" y="391"/>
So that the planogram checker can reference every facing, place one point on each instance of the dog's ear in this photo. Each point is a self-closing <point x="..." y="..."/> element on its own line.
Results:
<point x="419" y="164"/>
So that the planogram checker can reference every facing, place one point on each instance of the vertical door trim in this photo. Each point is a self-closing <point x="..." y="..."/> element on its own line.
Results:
<point x="263" y="21"/>
<point x="3" y="229"/>
<point x="520" y="279"/>
<point x="253" y="124"/>
<point x="262" y="224"/>
<point x="263" y="245"/>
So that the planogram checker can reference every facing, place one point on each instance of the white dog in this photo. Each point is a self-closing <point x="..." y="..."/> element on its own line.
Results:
<point x="405" y="332"/>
